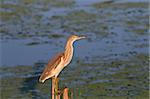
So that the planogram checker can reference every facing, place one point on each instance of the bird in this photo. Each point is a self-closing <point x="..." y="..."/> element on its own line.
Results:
<point x="61" y="60"/>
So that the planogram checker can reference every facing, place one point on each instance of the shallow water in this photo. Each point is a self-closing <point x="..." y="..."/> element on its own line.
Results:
<point x="111" y="63"/>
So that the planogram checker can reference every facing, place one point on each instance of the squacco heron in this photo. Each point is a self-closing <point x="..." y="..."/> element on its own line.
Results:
<point x="60" y="61"/>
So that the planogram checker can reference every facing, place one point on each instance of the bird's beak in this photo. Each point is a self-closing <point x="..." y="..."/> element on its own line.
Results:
<point x="82" y="37"/>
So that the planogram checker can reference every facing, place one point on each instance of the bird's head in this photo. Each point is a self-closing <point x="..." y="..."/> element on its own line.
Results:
<point x="76" y="37"/>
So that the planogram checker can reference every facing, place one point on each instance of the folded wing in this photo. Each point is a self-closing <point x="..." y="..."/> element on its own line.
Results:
<point x="52" y="64"/>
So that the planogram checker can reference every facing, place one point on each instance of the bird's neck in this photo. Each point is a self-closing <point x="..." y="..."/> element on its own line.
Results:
<point x="68" y="50"/>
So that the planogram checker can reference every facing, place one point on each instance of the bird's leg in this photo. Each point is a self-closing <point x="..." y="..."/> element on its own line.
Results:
<point x="57" y="89"/>
<point x="53" y="88"/>
<point x="56" y="85"/>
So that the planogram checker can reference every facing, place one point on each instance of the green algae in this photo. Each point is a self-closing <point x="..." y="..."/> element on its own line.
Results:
<point x="126" y="83"/>
<point x="23" y="35"/>
<point x="33" y="43"/>
<point x="120" y="5"/>
<point x="132" y="23"/>
<point x="130" y="81"/>
<point x="55" y="36"/>
<point x="140" y="31"/>
<point x="16" y="11"/>
<point x="80" y="15"/>
<point x="27" y="2"/>
<point x="7" y="15"/>
<point x="52" y="3"/>
<point x="81" y="21"/>
<point x="60" y="3"/>
<point x="14" y="7"/>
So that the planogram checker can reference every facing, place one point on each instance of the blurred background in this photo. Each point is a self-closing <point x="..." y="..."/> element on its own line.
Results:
<point x="113" y="63"/>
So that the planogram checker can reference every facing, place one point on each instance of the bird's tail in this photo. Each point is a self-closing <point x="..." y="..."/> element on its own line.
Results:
<point x="41" y="79"/>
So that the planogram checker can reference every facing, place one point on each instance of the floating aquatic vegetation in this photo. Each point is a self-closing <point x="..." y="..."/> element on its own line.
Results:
<point x="99" y="76"/>
<point x="120" y="5"/>
<point x="12" y="11"/>
<point x="33" y="43"/>
<point x="55" y="36"/>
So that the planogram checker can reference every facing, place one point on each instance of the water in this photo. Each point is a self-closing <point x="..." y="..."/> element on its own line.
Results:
<point x="111" y="63"/>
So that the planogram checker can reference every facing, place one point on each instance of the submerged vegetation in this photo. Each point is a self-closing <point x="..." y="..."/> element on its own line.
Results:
<point x="121" y="5"/>
<point x="31" y="21"/>
<point x="117" y="79"/>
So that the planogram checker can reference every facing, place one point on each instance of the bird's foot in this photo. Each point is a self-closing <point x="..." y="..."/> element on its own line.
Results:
<point x="57" y="92"/>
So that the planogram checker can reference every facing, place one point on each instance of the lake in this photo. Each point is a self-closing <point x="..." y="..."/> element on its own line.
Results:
<point x="112" y="63"/>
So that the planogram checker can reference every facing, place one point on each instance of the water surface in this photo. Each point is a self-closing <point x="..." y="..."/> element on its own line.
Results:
<point x="111" y="63"/>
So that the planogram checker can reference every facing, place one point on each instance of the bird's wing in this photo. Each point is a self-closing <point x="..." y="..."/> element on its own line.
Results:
<point x="52" y="64"/>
